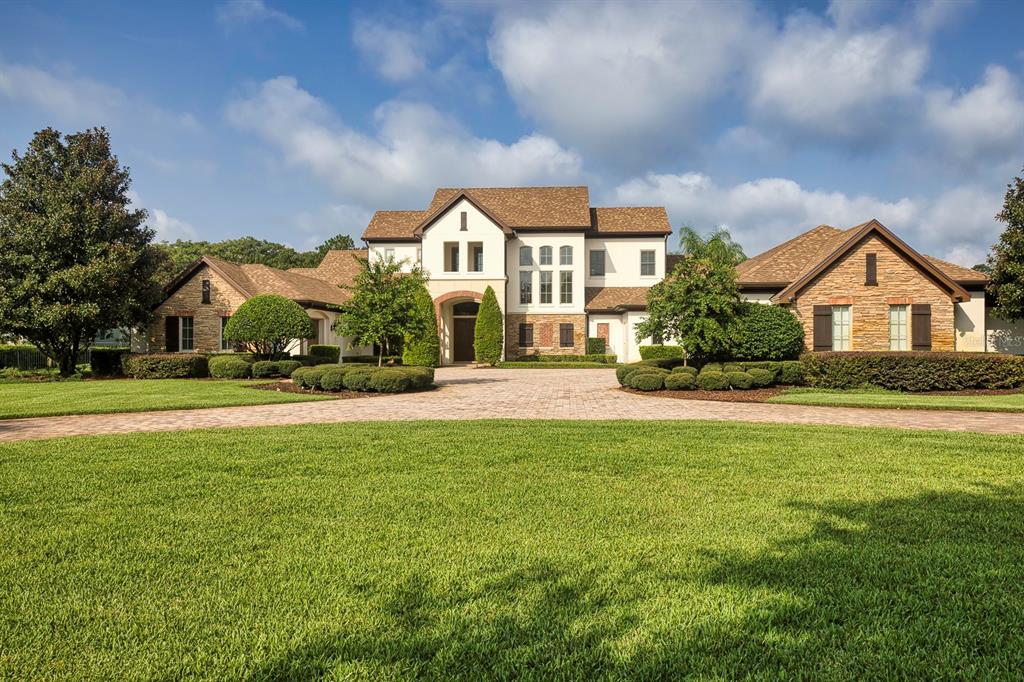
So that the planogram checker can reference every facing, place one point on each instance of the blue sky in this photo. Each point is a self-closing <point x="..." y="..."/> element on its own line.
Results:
<point x="295" y="121"/>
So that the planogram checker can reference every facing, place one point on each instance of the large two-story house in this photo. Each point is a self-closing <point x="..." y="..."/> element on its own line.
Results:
<point x="562" y="269"/>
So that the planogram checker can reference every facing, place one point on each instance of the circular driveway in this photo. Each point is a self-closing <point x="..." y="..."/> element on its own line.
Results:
<point x="466" y="393"/>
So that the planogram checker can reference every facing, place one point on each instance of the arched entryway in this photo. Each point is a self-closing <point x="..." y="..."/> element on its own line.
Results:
<point x="456" y="323"/>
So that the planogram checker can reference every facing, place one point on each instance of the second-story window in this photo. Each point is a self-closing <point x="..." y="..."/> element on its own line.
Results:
<point x="565" y="255"/>
<point x="597" y="263"/>
<point x="389" y="254"/>
<point x="206" y="291"/>
<point x="565" y="286"/>
<point x="545" y="286"/>
<point x="545" y="255"/>
<point x="451" y="256"/>
<point x="476" y="257"/>
<point x="525" y="287"/>
<point x="525" y="255"/>
<point x="647" y="267"/>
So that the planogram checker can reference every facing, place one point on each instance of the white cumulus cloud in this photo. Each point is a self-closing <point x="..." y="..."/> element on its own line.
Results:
<point x="240" y="12"/>
<point x="396" y="54"/>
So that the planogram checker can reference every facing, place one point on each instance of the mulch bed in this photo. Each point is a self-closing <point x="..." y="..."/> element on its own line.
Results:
<point x="754" y="395"/>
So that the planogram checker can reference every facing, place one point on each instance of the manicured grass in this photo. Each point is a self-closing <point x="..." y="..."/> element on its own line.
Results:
<point x="1012" y="402"/>
<point x="490" y="550"/>
<point x="512" y="364"/>
<point x="39" y="399"/>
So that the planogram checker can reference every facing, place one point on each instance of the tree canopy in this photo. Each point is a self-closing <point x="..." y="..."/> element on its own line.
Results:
<point x="422" y="346"/>
<point x="267" y="323"/>
<point x="75" y="257"/>
<point x="718" y="245"/>
<point x="383" y="306"/>
<point x="1007" y="257"/>
<point x="489" y="332"/>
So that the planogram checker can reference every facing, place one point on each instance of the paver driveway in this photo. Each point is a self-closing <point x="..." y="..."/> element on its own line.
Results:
<point x="465" y="393"/>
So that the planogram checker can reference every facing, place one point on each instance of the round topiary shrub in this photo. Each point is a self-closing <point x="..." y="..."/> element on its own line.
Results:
<point x="681" y="381"/>
<point x="264" y="369"/>
<point x="286" y="367"/>
<point x="421" y="377"/>
<point x="267" y="323"/>
<point x="685" y="369"/>
<point x="732" y="367"/>
<point x="791" y="373"/>
<point x="664" y="363"/>
<point x="333" y="378"/>
<point x="228" y="367"/>
<point x="740" y="380"/>
<point x="712" y="380"/>
<point x="358" y="379"/>
<point x="308" y="377"/>
<point x="390" y="380"/>
<point x="766" y="332"/>
<point x="761" y="377"/>
<point x="647" y="381"/>
<point x="711" y="367"/>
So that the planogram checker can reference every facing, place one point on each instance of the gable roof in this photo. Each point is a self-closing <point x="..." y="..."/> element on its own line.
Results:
<point x="394" y="225"/>
<point x="338" y="267"/>
<point x="794" y="264"/>
<point x="629" y="220"/>
<point x="435" y="213"/>
<point x="614" y="299"/>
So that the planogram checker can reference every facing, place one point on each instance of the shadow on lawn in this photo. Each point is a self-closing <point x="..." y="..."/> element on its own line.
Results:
<point x="925" y="586"/>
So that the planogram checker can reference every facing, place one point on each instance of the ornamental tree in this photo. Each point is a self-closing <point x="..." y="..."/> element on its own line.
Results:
<point x="267" y="324"/>
<point x="75" y="257"/>
<point x="489" y="332"/>
<point x="1007" y="258"/>
<point x="422" y="346"/>
<point x="765" y="332"/>
<point x="383" y="305"/>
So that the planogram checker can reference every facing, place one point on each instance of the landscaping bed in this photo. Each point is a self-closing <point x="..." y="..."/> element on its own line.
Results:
<point x="754" y="395"/>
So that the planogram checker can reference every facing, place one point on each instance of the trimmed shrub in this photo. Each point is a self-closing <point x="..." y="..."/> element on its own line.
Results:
<point x="740" y="380"/>
<point x="333" y="378"/>
<point x="390" y="380"/>
<point x="421" y="377"/>
<point x="596" y="346"/>
<point x="423" y="348"/>
<point x="660" y="352"/>
<point x="488" y="336"/>
<point x="914" y="371"/>
<point x="267" y="323"/>
<point x="712" y="380"/>
<point x="165" y="366"/>
<point x="358" y="378"/>
<point x="681" y="381"/>
<point x="664" y="363"/>
<point x="772" y="366"/>
<point x="106" y="362"/>
<point x="731" y="367"/>
<point x="261" y="370"/>
<point x="321" y="352"/>
<point x="304" y="360"/>
<point x="286" y="367"/>
<point x="647" y="381"/>
<point x="685" y="369"/>
<point x="228" y="367"/>
<point x="623" y="373"/>
<point x="308" y="377"/>
<point x="791" y="373"/>
<point x="765" y="332"/>
<point x="599" y="357"/>
<point x="711" y="367"/>
<point x="761" y="377"/>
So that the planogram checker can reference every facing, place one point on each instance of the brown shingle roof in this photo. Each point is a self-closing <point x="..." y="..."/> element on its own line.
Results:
<point x="338" y="267"/>
<point x="615" y="298"/>
<point x="628" y="219"/>
<point x="393" y="224"/>
<point x="958" y="272"/>
<point x="268" y="280"/>
<point x="526" y="207"/>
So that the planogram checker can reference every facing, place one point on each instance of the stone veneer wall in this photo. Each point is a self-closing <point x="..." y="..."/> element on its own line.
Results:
<point x="899" y="282"/>
<point x="545" y="334"/>
<point x="187" y="301"/>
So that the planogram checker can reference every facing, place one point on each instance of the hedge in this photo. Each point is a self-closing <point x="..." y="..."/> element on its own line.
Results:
<point x="765" y="332"/>
<point x="228" y="367"/>
<point x="647" y="381"/>
<point x="623" y="373"/>
<point x="791" y="373"/>
<point x="263" y="369"/>
<point x="914" y="371"/>
<point x="664" y="363"/>
<point x="358" y="378"/>
<point x="681" y="381"/>
<point x="761" y="378"/>
<point x="165" y="366"/>
<point x="685" y="369"/>
<point x="332" y="379"/>
<point x="740" y="380"/>
<point x="106" y="362"/>
<point x="605" y="358"/>
<point x="660" y="352"/>
<point x="711" y="367"/>
<point x="321" y="353"/>
<point x="712" y="380"/>
<point x="309" y="377"/>
<point x="596" y="346"/>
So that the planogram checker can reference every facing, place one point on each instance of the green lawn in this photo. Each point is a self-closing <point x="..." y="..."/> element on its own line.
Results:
<point x="1013" y="402"/>
<point x="490" y="549"/>
<point x="39" y="399"/>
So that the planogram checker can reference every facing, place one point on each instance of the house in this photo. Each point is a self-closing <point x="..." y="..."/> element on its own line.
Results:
<point x="199" y="302"/>
<point x="865" y="289"/>
<point x="562" y="269"/>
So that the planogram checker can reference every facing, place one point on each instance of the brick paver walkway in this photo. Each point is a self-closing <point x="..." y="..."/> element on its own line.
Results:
<point x="507" y="394"/>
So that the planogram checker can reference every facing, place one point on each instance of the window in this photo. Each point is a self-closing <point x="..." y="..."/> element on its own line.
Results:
<point x="565" y="335"/>
<point x="647" y="268"/>
<point x="185" y="333"/>
<point x="476" y="257"/>
<point x="525" y="287"/>
<point x="565" y="286"/>
<point x="525" y="335"/>
<point x="597" y="263"/>
<point x="545" y="287"/>
<point x="545" y="255"/>
<point x="898" y="327"/>
<point x="565" y="255"/>
<point x="840" y="327"/>
<point x="463" y="223"/>
<point x="206" y="291"/>
<point x="224" y="344"/>
<point x="389" y="254"/>
<point x="525" y="255"/>
<point x="466" y="309"/>
<point x="451" y="256"/>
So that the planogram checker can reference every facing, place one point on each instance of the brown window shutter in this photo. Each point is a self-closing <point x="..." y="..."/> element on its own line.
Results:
<point x="822" y="327"/>
<point x="171" y="333"/>
<point x="871" y="276"/>
<point x="921" y="326"/>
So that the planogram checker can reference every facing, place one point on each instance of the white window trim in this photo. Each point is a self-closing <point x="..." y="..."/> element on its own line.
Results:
<point x="604" y="262"/>
<point x="904" y="326"/>
<point x="564" y="251"/>
<point x="181" y="334"/>
<point x="652" y="251"/>
<point x="837" y="339"/>
<point x="221" y="345"/>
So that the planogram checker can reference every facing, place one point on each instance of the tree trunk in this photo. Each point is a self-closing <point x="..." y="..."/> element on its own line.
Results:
<point x="66" y="361"/>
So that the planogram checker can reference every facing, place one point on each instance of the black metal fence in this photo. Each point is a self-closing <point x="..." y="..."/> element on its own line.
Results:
<point x="32" y="358"/>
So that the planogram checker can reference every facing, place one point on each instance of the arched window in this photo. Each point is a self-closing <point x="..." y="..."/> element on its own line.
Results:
<point x="565" y="255"/>
<point x="526" y="255"/>
<point x="545" y="255"/>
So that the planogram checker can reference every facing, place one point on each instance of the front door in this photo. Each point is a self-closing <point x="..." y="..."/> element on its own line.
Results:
<point x="463" y="346"/>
